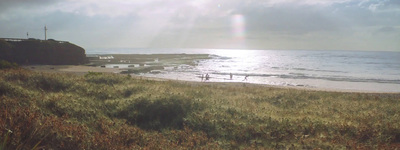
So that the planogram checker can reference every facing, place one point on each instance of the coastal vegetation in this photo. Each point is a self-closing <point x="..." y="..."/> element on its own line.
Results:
<point x="146" y="69"/>
<point x="7" y="65"/>
<point x="114" y="111"/>
<point x="149" y="59"/>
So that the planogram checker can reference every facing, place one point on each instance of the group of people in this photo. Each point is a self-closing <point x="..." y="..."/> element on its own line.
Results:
<point x="207" y="77"/>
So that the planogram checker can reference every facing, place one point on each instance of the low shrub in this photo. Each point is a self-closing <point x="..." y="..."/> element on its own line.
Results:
<point x="7" y="65"/>
<point x="163" y="113"/>
<point x="146" y="69"/>
<point x="132" y="90"/>
<point x="100" y="78"/>
<point x="51" y="83"/>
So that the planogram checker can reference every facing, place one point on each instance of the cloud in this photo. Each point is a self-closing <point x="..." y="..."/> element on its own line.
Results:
<point x="387" y="29"/>
<point x="24" y="3"/>
<point x="392" y="6"/>
<point x="269" y="24"/>
<point x="21" y="5"/>
<point x="304" y="2"/>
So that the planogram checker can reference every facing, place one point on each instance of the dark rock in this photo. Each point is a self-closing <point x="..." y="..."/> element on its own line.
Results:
<point x="38" y="52"/>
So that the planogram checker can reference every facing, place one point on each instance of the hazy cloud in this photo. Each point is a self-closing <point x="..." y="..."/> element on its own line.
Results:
<point x="269" y="24"/>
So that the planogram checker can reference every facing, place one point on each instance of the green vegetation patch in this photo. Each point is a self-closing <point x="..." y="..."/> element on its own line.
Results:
<point x="113" y="111"/>
<point x="7" y="65"/>
<point x="168" y="112"/>
<point x="146" y="69"/>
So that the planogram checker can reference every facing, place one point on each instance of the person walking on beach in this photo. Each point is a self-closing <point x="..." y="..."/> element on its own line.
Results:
<point x="207" y="77"/>
<point x="231" y="75"/>
<point x="245" y="78"/>
<point x="202" y="77"/>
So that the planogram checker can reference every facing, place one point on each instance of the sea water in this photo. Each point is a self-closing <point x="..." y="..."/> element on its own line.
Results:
<point x="335" y="70"/>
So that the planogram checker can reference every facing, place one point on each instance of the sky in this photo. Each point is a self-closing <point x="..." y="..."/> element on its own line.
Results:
<point x="372" y="25"/>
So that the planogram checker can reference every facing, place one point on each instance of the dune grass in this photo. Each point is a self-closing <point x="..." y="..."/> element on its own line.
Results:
<point x="7" y="65"/>
<point x="110" y="111"/>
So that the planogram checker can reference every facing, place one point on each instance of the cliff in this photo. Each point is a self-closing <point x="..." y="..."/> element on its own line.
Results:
<point x="39" y="52"/>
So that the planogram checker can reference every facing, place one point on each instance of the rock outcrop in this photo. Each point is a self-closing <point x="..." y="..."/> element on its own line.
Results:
<point x="40" y="52"/>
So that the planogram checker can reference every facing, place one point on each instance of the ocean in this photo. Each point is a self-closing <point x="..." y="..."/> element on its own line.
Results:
<point x="362" y="71"/>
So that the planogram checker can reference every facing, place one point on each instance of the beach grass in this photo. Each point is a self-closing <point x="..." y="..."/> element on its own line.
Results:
<point x="113" y="111"/>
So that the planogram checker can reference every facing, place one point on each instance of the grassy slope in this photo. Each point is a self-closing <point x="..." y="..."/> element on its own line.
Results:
<point x="106" y="111"/>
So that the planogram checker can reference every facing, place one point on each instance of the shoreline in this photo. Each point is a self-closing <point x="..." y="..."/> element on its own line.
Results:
<point x="81" y="70"/>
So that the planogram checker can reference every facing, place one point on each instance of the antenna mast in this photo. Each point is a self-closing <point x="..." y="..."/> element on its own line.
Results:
<point x="45" y="32"/>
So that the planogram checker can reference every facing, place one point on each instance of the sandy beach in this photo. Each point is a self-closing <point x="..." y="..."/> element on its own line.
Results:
<point x="81" y="70"/>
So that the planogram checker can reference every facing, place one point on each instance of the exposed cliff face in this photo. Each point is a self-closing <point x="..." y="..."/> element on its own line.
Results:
<point x="39" y="52"/>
